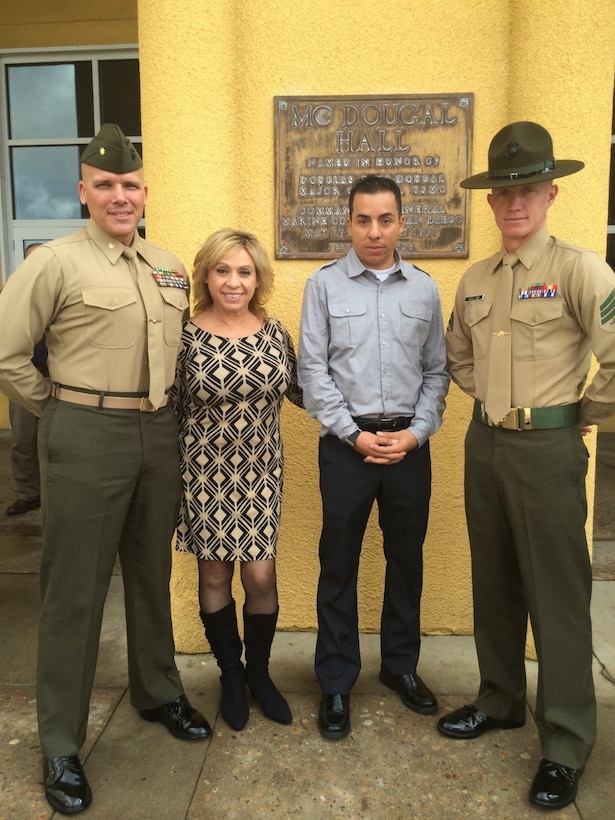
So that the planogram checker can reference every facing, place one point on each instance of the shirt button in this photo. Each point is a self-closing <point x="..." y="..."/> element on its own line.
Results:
<point x="112" y="303"/>
<point x="384" y="344"/>
<point x="347" y="310"/>
<point x="383" y="315"/>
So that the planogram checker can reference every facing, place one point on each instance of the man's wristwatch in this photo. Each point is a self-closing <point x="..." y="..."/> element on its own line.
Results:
<point x="350" y="440"/>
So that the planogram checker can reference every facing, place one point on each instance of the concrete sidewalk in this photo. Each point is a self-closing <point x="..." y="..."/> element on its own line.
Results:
<point x="393" y="765"/>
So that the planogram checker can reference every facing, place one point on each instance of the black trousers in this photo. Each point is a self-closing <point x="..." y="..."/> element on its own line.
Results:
<point x="110" y="484"/>
<point x="349" y="488"/>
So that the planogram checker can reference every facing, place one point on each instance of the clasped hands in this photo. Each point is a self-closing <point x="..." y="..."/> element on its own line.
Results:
<point x="385" y="447"/>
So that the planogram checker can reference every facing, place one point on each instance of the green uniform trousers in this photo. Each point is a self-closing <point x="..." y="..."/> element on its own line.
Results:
<point x="110" y="484"/>
<point x="526" y="509"/>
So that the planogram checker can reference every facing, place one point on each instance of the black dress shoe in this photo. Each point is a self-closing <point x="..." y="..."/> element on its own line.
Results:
<point x="334" y="716"/>
<point x="555" y="785"/>
<point x="23" y="505"/>
<point x="66" y="788"/>
<point x="468" y="722"/>
<point x="412" y="691"/>
<point x="180" y="718"/>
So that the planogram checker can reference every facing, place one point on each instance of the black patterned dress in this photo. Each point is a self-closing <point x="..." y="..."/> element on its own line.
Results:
<point x="228" y="394"/>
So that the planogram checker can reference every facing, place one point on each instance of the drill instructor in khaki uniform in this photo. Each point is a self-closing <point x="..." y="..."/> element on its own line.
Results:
<point x="111" y="306"/>
<point x="521" y="334"/>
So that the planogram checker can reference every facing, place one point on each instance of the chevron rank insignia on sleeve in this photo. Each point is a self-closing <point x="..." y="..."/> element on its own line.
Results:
<point x="607" y="312"/>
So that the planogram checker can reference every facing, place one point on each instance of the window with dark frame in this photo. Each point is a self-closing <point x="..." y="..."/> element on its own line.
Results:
<point x="53" y="107"/>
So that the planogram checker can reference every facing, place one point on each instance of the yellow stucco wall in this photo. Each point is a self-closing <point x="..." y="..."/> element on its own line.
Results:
<point x="209" y="73"/>
<point x="220" y="69"/>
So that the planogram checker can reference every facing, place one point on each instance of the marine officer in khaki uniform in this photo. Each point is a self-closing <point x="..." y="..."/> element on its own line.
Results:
<point x="111" y="307"/>
<point x="521" y="334"/>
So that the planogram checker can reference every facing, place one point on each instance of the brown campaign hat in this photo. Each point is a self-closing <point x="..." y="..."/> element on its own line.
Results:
<point x="111" y="151"/>
<point x="521" y="152"/>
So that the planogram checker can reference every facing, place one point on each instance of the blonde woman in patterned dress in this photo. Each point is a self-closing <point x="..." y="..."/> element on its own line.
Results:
<point x="235" y="367"/>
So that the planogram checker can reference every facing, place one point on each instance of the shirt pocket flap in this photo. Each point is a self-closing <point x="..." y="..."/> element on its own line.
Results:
<point x="475" y="312"/>
<point x="176" y="297"/>
<point x="537" y="311"/>
<point x="341" y="310"/>
<point x="416" y="311"/>
<point x="108" y="298"/>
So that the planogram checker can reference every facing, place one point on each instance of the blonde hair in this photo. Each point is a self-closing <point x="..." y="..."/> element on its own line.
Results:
<point x="220" y="244"/>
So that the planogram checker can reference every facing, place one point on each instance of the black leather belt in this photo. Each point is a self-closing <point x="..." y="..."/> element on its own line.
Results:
<point x="386" y="423"/>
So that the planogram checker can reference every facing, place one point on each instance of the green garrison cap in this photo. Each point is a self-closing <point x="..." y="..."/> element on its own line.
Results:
<point x="111" y="151"/>
<point x="521" y="152"/>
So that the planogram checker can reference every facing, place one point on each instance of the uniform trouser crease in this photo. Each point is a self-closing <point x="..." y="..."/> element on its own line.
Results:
<point x="110" y="484"/>
<point x="526" y="509"/>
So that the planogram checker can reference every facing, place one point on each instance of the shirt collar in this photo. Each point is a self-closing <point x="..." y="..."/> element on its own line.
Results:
<point x="529" y="251"/>
<point x="356" y="267"/>
<point x="111" y="247"/>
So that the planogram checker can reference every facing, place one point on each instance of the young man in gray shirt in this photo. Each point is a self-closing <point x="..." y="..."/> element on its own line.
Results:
<point x="372" y="364"/>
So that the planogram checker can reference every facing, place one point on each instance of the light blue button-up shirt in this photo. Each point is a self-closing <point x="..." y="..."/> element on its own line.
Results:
<point x="371" y="348"/>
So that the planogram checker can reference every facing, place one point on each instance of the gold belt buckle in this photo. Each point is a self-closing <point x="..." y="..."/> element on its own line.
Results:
<point x="511" y="420"/>
<point x="146" y="406"/>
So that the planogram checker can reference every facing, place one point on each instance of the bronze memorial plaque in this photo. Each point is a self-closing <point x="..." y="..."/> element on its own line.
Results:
<point x="324" y="144"/>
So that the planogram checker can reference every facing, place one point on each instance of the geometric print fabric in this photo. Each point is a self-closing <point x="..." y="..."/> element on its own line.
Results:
<point x="228" y="396"/>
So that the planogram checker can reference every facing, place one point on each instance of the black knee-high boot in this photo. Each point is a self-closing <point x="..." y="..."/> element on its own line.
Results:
<point x="223" y="636"/>
<point x="258" y="637"/>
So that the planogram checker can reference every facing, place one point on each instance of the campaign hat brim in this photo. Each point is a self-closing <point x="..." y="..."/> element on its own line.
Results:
<point x="563" y="168"/>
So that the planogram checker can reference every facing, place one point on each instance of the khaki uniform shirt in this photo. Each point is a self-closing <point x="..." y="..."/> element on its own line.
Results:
<point x="80" y="293"/>
<point x="563" y="309"/>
